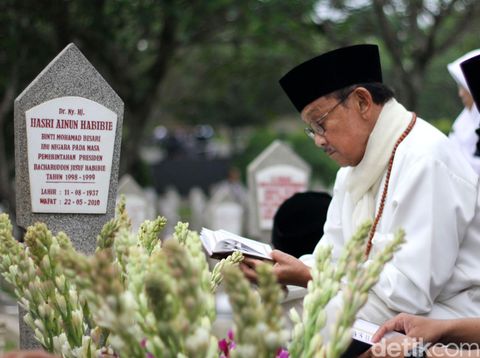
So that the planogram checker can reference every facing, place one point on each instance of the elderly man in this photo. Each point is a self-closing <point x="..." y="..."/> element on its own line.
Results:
<point x="398" y="171"/>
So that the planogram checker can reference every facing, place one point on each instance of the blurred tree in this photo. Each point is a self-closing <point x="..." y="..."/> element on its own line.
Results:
<point x="215" y="61"/>
<point x="413" y="32"/>
<point x="233" y="80"/>
<point x="26" y="44"/>
<point x="135" y="43"/>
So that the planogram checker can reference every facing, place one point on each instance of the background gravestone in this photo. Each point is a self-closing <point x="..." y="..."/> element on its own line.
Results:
<point x="225" y="212"/>
<point x="197" y="203"/>
<point x="152" y="202"/>
<point x="274" y="176"/>
<point x="136" y="203"/>
<point x="68" y="125"/>
<point x="169" y="206"/>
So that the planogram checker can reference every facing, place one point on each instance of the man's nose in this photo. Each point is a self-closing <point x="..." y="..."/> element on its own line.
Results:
<point x="320" y="141"/>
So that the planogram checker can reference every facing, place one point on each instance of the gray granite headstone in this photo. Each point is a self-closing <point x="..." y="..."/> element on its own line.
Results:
<point x="274" y="176"/>
<point x="68" y="127"/>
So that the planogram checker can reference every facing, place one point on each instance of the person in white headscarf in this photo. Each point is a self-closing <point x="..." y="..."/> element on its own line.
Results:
<point x="463" y="130"/>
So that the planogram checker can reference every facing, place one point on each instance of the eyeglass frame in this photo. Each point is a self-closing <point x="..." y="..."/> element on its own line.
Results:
<point x="315" y="127"/>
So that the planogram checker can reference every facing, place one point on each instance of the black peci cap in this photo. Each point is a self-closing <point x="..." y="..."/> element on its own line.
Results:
<point x="471" y="70"/>
<point x="298" y="222"/>
<point x="332" y="71"/>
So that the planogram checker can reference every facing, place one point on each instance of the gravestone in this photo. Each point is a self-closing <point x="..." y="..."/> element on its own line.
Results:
<point x="274" y="176"/>
<point x="68" y="125"/>
<point x="169" y="207"/>
<point x="136" y="202"/>
<point x="197" y="203"/>
<point x="152" y="202"/>
<point x="225" y="212"/>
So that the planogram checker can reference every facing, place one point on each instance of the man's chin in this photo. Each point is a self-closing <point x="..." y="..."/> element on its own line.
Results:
<point x="339" y="160"/>
<point x="340" y="163"/>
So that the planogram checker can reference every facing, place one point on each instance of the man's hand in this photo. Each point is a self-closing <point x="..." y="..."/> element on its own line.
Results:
<point x="417" y="330"/>
<point x="288" y="269"/>
<point x="249" y="268"/>
<point x="418" y="327"/>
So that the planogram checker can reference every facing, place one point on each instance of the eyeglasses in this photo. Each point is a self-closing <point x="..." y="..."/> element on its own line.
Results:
<point x="316" y="126"/>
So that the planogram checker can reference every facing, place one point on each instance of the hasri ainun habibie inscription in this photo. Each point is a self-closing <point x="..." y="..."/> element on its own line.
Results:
<point x="70" y="149"/>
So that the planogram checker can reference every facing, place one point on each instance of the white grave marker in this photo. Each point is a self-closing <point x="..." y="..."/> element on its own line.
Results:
<point x="274" y="176"/>
<point x="69" y="168"/>
<point x="275" y="184"/>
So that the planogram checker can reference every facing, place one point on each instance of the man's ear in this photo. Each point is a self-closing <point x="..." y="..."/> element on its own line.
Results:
<point x="364" y="99"/>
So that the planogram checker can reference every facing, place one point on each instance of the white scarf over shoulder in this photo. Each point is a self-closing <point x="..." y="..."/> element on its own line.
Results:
<point x="363" y="180"/>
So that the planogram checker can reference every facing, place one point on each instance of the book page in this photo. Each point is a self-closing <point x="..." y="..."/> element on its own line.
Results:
<point x="243" y="244"/>
<point x="222" y="242"/>
<point x="363" y="331"/>
<point x="228" y="245"/>
<point x="208" y="240"/>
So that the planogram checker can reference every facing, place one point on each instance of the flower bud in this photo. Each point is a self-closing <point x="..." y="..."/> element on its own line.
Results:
<point x="77" y="321"/>
<point x="60" y="282"/>
<point x="42" y="310"/>
<point x="62" y="304"/>
<point x="294" y="316"/>
<point x="73" y="297"/>
<point x="54" y="249"/>
<point x="59" y="341"/>
<point x="39" y="324"/>
<point x="45" y="263"/>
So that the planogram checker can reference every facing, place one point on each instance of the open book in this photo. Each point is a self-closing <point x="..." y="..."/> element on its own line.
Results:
<point x="362" y="333"/>
<point x="221" y="243"/>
